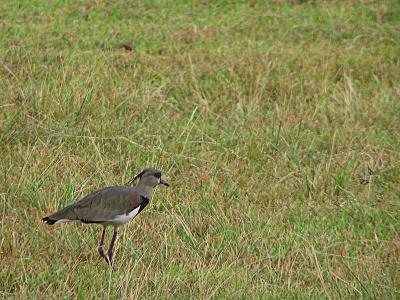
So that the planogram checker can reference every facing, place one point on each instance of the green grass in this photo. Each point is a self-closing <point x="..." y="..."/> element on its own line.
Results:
<point x="277" y="124"/>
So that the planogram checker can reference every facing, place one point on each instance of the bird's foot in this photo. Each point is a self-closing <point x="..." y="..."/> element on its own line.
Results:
<point x="106" y="258"/>
<point x="110" y="261"/>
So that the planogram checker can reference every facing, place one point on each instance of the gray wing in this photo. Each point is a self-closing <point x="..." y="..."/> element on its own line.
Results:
<point x="100" y="206"/>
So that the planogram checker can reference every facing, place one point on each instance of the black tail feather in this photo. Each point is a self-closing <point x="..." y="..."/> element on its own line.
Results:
<point x="49" y="221"/>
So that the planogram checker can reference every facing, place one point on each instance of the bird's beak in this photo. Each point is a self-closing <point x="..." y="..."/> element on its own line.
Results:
<point x="164" y="182"/>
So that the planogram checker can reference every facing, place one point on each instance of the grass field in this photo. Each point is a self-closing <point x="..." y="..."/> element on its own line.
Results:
<point x="277" y="123"/>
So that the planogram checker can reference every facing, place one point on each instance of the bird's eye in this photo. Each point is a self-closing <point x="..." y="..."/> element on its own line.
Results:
<point x="157" y="175"/>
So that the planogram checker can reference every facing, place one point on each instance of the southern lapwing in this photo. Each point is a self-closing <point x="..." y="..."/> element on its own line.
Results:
<point x="112" y="206"/>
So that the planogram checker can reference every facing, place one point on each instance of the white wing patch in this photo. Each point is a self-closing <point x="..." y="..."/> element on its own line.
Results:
<point x="122" y="219"/>
<point x="65" y="221"/>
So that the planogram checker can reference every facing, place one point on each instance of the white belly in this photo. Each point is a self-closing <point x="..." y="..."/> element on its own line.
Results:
<point x="122" y="219"/>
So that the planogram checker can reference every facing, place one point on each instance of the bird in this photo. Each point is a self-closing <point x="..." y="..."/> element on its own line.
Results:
<point x="111" y="206"/>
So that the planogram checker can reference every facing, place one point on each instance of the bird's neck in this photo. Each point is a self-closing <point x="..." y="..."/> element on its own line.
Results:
<point x="146" y="191"/>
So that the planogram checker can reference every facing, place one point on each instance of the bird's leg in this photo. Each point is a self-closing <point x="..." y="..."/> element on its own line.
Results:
<point x="101" y="245"/>
<point x="110" y="250"/>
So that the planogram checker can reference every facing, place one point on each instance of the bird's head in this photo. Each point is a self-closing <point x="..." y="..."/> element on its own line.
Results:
<point x="151" y="178"/>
